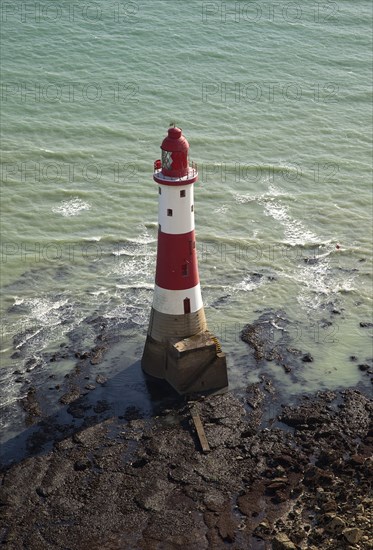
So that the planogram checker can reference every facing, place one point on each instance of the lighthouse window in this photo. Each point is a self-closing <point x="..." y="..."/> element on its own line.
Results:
<point x="166" y="160"/>
<point x="182" y="193"/>
<point x="184" y="270"/>
<point x="192" y="208"/>
<point x="192" y="245"/>
<point x="169" y="211"/>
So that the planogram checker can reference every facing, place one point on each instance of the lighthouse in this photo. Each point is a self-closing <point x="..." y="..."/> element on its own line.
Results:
<point x="179" y="348"/>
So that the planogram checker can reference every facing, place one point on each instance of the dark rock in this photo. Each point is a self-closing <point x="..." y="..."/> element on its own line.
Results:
<point x="270" y="339"/>
<point x="266" y="336"/>
<point x="352" y="535"/>
<point x="312" y="260"/>
<point x="70" y="396"/>
<point x="255" y="396"/>
<point x="101" y="406"/>
<point x="83" y="464"/>
<point x="357" y="460"/>
<point x="307" y="358"/>
<point x="42" y="492"/>
<point x="220" y="301"/>
<point x="334" y="524"/>
<point x="78" y="409"/>
<point x="82" y="355"/>
<point x="286" y="461"/>
<point x="366" y="324"/>
<point x="32" y="363"/>
<point x="282" y="542"/>
<point x="325" y="323"/>
<point x="101" y="379"/>
<point x="132" y="413"/>
<point x="97" y="354"/>
<point x="364" y="367"/>
<point x="31" y="406"/>
<point x="329" y="506"/>
<point x="227" y="525"/>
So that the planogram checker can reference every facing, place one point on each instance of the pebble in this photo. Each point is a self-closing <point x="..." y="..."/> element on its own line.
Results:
<point x="352" y="535"/>
<point x="336" y="525"/>
<point x="282" y="542"/>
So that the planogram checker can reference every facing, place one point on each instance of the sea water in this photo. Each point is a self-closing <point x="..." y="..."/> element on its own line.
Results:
<point x="275" y="100"/>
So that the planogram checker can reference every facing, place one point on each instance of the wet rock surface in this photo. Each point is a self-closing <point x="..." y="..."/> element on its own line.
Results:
<point x="144" y="483"/>
<point x="276" y="477"/>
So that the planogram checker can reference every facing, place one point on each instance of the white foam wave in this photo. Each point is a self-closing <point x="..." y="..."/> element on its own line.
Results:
<point x="143" y="238"/>
<point x="135" y="314"/>
<point x="222" y="209"/>
<point x="261" y="198"/>
<point x="99" y="292"/>
<point x="44" y="309"/>
<point x="319" y="283"/>
<point x="28" y="337"/>
<point x="295" y="231"/>
<point x="133" y="270"/>
<point x="137" y="246"/>
<point x="71" y="207"/>
<point x="247" y="284"/>
<point x="92" y="239"/>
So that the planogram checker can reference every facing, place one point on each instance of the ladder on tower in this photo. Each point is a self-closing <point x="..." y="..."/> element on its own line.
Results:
<point x="217" y="344"/>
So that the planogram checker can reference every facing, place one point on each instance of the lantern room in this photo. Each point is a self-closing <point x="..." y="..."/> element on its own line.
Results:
<point x="175" y="154"/>
<point x="174" y="167"/>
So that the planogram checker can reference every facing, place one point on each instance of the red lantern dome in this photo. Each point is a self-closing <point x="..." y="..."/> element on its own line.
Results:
<point x="174" y="162"/>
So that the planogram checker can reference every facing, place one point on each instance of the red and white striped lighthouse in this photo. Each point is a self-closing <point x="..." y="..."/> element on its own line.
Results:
<point x="179" y="348"/>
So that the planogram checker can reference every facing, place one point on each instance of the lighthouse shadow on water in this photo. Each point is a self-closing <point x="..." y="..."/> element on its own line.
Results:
<point x="179" y="348"/>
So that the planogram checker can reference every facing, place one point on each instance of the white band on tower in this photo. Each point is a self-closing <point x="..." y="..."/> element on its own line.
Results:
<point x="174" y="302"/>
<point x="176" y="209"/>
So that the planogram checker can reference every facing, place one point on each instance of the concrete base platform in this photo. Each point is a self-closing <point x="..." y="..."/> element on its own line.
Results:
<point x="190" y="365"/>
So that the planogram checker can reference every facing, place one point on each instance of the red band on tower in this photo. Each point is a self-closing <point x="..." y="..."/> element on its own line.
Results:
<point x="177" y="267"/>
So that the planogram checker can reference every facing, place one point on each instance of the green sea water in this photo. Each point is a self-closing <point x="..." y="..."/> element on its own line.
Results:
<point x="275" y="100"/>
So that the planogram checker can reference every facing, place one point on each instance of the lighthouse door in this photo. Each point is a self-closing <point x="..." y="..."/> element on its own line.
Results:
<point x="186" y="305"/>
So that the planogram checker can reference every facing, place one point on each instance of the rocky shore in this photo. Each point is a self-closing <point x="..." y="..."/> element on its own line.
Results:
<point x="146" y="484"/>
<point x="277" y="476"/>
